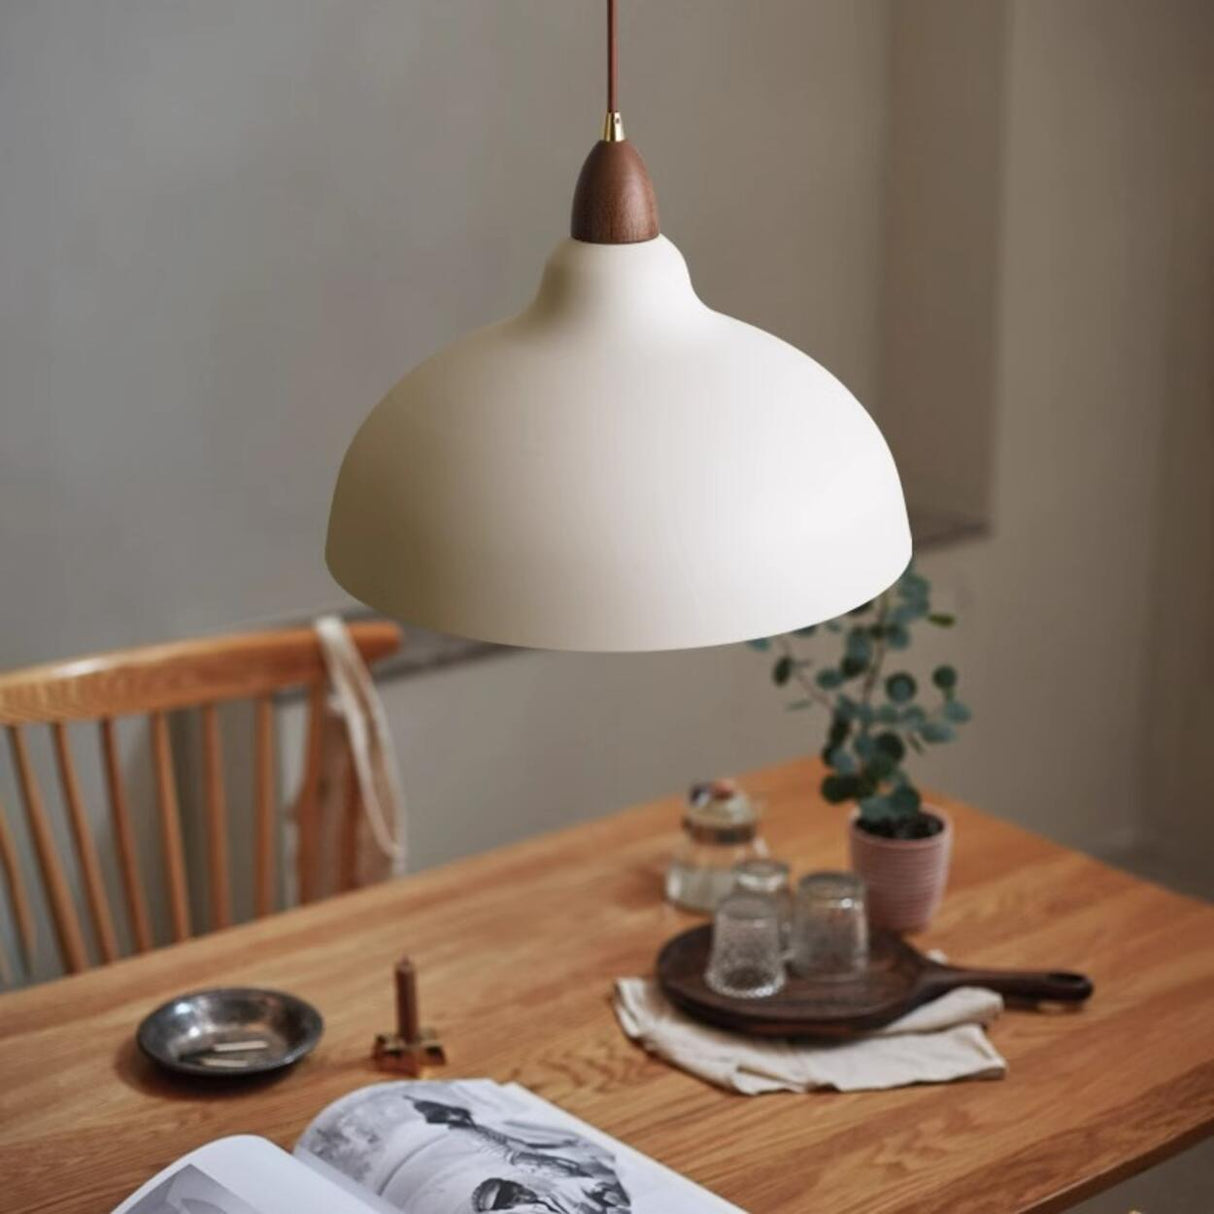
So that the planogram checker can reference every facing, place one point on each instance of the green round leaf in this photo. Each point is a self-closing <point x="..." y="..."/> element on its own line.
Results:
<point x="945" y="677"/>
<point x="875" y="808"/>
<point x="781" y="672"/>
<point x="837" y="789"/>
<point x="898" y="636"/>
<point x="937" y="731"/>
<point x="839" y="729"/>
<point x="905" y="799"/>
<point x="828" y="678"/>
<point x="887" y="714"/>
<point x="841" y="761"/>
<point x="954" y="710"/>
<point x="891" y="745"/>
<point x="880" y="767"/>
<point x="901" y="688"/>
<point x="851" y="667"/>
<point x="859" y="646"/>
<point x="942" y="619"/>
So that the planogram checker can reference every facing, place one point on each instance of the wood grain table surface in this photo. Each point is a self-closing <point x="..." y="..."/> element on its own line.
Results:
<point x="516" y="950"/>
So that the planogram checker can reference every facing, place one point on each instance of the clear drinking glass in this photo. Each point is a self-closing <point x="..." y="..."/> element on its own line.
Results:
<point x="747" y="958"/>
<point x="770" y="878"/>
<point x="830" y="926"/>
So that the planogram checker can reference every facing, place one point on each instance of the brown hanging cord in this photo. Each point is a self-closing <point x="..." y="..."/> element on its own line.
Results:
<point x="612" y="108"/>
<point x="613" y="202"/>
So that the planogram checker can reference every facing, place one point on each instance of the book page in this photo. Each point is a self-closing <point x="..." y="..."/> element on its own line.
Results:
<point x="653" y="1187"/>
<point x="434" y="1147"/>
<point x="242" y="1175"/>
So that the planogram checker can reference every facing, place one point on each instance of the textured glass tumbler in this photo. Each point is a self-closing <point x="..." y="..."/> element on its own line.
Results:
<point x="770" y="877"/>
<point x="747" y="957"/>
<point x="830" y="926"/>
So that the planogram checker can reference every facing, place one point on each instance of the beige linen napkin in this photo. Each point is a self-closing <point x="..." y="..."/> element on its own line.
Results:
<point x="938" y="1042"/>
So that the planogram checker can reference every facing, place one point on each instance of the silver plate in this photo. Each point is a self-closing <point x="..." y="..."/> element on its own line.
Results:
<point x="230" y="1032"/>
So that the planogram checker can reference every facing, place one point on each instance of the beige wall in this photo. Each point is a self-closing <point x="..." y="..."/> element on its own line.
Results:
<point x="942" y="243"/>
<point x="1177" y="806"/>
<point x="1090" y="607"/>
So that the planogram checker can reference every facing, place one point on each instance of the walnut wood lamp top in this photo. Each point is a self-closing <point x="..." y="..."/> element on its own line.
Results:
<point x="515" y="952"/>
<point x="613" y="202"/>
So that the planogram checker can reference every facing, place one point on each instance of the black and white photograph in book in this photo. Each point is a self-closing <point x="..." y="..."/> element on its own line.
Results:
<point x="190" y="1190"/>
<point x="430" y="1148"/>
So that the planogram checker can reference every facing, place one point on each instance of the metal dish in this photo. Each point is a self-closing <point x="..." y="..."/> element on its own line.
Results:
<point x="230" y="1032"/>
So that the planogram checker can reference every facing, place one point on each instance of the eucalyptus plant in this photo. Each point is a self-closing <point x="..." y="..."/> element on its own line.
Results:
<point x="876" y="714"/>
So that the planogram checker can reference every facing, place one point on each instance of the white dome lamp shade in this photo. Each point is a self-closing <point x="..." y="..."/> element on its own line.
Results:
<point x="618" y="467"/>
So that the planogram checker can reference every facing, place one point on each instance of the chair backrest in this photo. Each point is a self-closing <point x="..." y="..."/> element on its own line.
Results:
<point x="155" y="680"/>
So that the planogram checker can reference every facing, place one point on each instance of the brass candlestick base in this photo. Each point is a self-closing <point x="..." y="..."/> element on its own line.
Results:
<point x="393" y="1053"/>
<point x="410" y="1048"/>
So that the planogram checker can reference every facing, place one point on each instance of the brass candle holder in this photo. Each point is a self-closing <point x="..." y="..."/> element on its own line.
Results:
<point x="411" y="1047"/>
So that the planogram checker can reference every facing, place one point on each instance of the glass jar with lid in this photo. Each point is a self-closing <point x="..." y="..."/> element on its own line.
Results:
<point x="720" y="830"/>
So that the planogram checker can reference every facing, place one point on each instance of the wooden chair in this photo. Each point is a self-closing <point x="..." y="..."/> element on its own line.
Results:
<point x="155" y="680"/>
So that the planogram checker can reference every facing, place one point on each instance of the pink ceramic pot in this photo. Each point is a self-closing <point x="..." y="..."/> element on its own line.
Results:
<point x="905" y="877"/>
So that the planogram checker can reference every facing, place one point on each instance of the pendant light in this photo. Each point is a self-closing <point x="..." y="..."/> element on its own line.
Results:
<point x="618" y="467"/>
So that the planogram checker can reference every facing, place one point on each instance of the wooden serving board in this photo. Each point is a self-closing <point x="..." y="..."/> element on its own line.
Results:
<point x="898" y="979"/>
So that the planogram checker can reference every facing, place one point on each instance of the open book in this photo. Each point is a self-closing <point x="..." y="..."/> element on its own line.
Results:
<point x="427" y="1147"/>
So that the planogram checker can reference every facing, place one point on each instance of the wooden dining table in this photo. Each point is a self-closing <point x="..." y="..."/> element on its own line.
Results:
<point x="516" y="950"/>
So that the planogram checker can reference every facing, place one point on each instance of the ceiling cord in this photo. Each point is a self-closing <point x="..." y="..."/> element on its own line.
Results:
<point x="611" y="57"/>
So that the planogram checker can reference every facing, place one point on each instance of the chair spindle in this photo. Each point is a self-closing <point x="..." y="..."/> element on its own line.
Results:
<point x="27" y="938"/>
<point x="170" y="826"/>
<point x="63" y="912"/>
<point x="265" y="883"/>
<point x="124" y="836"/>
<point x="86" y="851"/>
<point x="217" y="818"/>
<point x="307" y="809"/>
<point x="350" y="809"/>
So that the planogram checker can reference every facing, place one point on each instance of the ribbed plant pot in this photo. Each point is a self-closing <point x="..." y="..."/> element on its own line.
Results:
<point x="905" y="878"/>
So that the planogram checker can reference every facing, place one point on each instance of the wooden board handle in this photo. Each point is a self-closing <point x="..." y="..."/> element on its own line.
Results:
<point x="1035" y="986"/>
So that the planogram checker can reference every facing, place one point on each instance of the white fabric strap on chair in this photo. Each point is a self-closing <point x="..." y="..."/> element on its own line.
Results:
<point x="358" y="704"/>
